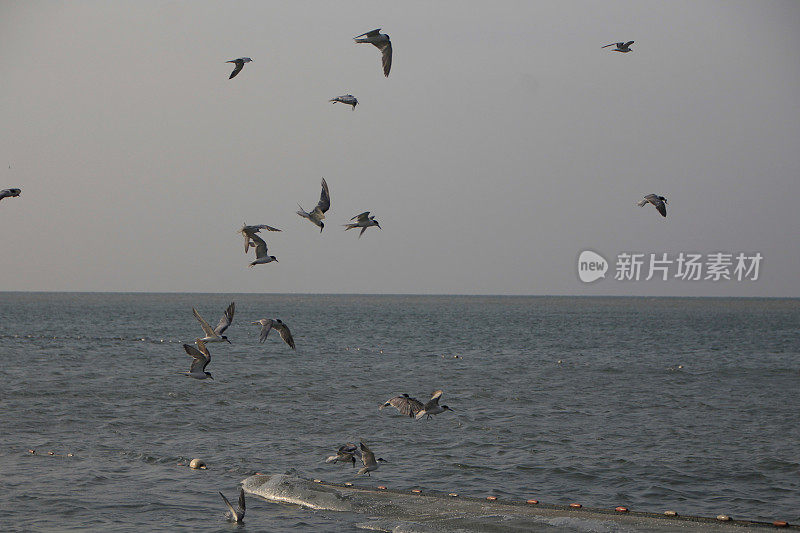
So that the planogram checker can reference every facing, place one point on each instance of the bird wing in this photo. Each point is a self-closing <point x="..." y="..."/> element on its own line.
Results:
<point x="386" y="58"/>
<point x="241" y="500"/>
<point x="324" y="197"/>
<point x="662" y="208"/>
<point x="367" y="456"/>
<point x="265" y="329"/>
<point x="606" y="46"/>
<point x="434" y="399"/>
<point x="228" y="504"/>
<point x="227" y="318"/>
<point x="239" y="67"/>
<point x="372" y="33"/>
<point x="362" y="217"/>
<point x="206" y="328"/>
<point x="406" y="405"/>
<point x="261" y="246"/>
<point x="286" y="335"/>
<point x="258" y="227"/>
<point x="200" y="359"/>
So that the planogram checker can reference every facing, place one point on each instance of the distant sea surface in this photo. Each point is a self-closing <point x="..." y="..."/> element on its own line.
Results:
<point x="651" y="403"/>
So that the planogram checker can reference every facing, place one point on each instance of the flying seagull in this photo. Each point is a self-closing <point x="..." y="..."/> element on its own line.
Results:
<point x="368" y="458"/>
<point x="248" y="231"/>
<point x="10" y="193"/>
<point x="381" y="40"/>
<point x="261" y="252"/>
<point x="405" y="404"/>
<point x="620" y="47"/>
<point x="200" y="359"/>
<point x="216" y="334"/>
<point x="235" y="515"/>
<point x="659" y="201"/>
<point x="348" y="99"/>
<point x="239" y="65"/>
<point x="364" y="221"/>
<point x="433" y="407"/>
<point x="268" y="324"/>
<point x="318" y="213"/>
<point x="346" y="454"/>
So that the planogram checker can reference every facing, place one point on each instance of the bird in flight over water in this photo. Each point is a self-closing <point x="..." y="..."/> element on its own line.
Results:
<point x="433" y="407"/>
<point x="318" y="214"/>
<point x="262" y="257"/>
<point x="380" y="40"/>
<point x="239" y="65"/>
<point x="200" y="359"/>
<point x="10" y="193"/>
<point x="277" y="324"/>
<point x="348" y="99"/>
<point x="364" y="221"/>
<point x="216" y="334"/>
<point x="659" y="201"/>
<point x="248" y="231"/>
<point x="620" y="47"/>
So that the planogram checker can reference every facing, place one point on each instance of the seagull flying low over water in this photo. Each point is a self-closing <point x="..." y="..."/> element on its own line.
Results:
<point x="248" y="232"/>
<point x="10" y="193"/>
<point x="239" y="65"/>
<point x="620" y="47"/>
<point x="200" y="359"/>
<point x="405" y="404"/>
<point x="346" y="454"/>
<point x="368" y="458"/>
<point x="318" y="214"/>
<point x="268" y="324"/>
<point x="364" y="221"/>
<point x="216" y="334"/>
<point x="659" y="201"/>
<point x="348" y="99"/>
<point x="433" y="407"/>
<point x="235" y="515"/>
<point x="261" y="252"/>
<point x="381" y="40"/>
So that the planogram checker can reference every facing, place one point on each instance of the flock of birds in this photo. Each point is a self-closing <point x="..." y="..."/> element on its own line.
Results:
<point x="201" y="357"/>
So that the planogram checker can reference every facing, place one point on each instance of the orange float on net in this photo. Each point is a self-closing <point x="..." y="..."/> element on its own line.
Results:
<point x="453" y="494"/>
<point x="780" y="523"/>
<point x="491" y="498"/>
<point x="670" y="513"/>
<point x="532" y="502"/>
<point x="417" y="491"/>
<point x="621" y="509"/>
<point x="575" y="505"/>
<point x="381" y="487"/>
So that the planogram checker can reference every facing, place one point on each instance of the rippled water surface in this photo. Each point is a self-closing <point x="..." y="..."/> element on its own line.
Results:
<point x="688" y="404"/>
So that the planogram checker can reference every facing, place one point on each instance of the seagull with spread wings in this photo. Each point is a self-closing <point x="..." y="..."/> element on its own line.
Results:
<point x="405" y="404"/>
<point x="239" y="65"/>
<point x="382" y="42"/>
<point x="200" y="359"/>
<point x="620" y="47"/>
<point x="659" y="201"/>
<point x="348" y="99"/>
<point x="268" y="324"/>
<point x="318" y="214"/>
<point x="262" y="257"/>
<point x="364" y="221"/>
<point x="216" y="334"/>
<point x="432" y="407"/>
<point x="235" y="515"/>
<point x="248" y="232"/>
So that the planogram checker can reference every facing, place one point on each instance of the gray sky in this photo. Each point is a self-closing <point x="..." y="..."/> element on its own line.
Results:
<point x="504" y="142"/>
